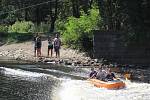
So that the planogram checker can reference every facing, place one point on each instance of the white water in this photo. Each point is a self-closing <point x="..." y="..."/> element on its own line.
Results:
<point x="19" y="72"/>
<point x="26" y="75"/>
<point x="82" y="90"/>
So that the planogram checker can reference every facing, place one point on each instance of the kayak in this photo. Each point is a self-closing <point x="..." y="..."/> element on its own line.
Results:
<point x="115" y="84"/>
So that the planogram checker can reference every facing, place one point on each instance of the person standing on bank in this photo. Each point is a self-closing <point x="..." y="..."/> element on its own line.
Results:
<point x="50" y="46"/>
<point x="57" y="44"/>
<point x="35" y="44"/>
<point x="39" y="44"/>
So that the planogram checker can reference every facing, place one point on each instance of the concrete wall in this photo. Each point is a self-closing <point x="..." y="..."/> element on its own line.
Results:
<point x="110" y="45"/>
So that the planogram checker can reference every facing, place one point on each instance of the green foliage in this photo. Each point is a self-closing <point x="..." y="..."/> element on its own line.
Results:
<point x="21" y="31"/>
<point x="75" y="29"/>
<point x="19" y="37"/>
<point x="3" y="28"/>
<point x="42" y="27"/>
<point x="22" y="27"/>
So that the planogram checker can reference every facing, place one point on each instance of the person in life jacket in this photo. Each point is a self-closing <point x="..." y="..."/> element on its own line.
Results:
<point x="101" y="74"/>
<point x="57" y="44"/>
<point x="110" y="76"/>
<point x="93" y="73"/>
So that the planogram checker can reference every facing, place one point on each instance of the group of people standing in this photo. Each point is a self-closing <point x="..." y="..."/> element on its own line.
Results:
<point x="102" y="74"/>
<point x="52" y="44"/>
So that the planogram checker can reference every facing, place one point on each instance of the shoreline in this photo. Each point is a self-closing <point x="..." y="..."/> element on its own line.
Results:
<point x="25" y="52"/>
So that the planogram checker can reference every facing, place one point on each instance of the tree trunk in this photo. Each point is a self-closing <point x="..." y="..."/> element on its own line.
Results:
<point x="52" y="27"/>
<point x="75" y="7"/>
<point x="53" y="17"/>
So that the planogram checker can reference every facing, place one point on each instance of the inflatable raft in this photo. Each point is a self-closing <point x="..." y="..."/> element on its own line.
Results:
<point x="115" y="84"/>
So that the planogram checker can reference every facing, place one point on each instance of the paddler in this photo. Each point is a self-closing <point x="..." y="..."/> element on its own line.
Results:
<point x="93" y="73"/>
<point x="110" y="76"/>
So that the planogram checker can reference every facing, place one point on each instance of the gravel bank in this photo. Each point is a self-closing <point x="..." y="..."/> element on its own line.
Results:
<point x="24" y="51"/>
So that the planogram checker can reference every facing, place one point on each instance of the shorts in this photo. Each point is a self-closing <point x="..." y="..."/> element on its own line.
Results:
<point x="56" y="48"/>
<point x="50" y="46"/>
<point x="38" y="46"/>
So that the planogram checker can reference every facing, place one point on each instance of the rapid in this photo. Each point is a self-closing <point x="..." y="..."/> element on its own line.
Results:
<point x="37" y="82"/>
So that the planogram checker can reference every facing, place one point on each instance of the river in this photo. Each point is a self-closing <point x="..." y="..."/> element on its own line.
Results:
<point x="47" y="82"/>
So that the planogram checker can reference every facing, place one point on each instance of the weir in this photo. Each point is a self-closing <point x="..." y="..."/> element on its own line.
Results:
<point x="111" y="46"/>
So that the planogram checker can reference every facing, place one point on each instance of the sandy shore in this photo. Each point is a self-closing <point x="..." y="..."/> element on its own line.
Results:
<point x="25" y="51"/>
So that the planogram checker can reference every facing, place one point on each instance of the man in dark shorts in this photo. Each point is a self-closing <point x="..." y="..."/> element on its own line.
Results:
<point x="35" y="44"/>
<point x="39" y="44"/>
<point x="50" y="46"/>
<point x="57" y="44"/>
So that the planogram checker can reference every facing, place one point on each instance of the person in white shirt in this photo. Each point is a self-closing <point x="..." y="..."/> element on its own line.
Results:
<point x="57" y="44"/>
<point x="101" y="75"/>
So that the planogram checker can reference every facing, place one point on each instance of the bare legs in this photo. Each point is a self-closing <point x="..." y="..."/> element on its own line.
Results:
<point x="57" y="53"/>
<point x="51" y="52"/>
<point x="39" y="52"/>
<point x="34" y="53"/>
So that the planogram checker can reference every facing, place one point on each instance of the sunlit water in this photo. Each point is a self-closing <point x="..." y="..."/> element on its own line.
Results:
<point x="26" y="82"/>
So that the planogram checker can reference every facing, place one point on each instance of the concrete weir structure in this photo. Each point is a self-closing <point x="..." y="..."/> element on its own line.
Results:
<point x="111" y="46"/>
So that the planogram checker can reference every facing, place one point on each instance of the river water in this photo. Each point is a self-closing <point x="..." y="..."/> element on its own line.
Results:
<point x="37" y="82"/>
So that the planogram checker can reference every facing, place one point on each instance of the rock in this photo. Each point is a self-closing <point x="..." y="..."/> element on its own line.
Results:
<point x="100" y="60"/>
<point x="1" y="43"/>
<point x="77" y="62"/>
<point x="86" y="65"/>
<point x="74" y="64"/>
<point x="40" y="59"/>
<point x="18" y="58"/>
<point x="96" y="60"/>
<point x="61" y="61"/>
<point x="48" y="60"/>
<point x="96" y="64"/>
<point x="67" y="62"/>
<point x="1" y="53"/>
<point x="92" y="62"/>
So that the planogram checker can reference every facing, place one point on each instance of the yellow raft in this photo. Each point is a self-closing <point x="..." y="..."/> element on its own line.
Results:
<point x="115" y="84"/>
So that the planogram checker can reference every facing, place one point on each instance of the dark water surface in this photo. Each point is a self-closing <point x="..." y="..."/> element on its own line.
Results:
<point x="32" y="82"/>
<point x="46" y="82"/>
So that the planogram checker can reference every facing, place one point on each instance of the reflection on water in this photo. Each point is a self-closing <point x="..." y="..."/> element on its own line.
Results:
<point x="32" y="82"/>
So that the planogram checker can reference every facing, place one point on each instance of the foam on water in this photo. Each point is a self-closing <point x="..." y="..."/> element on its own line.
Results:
<point x="83" y="90"/>
<point x="27" y="75"/>
<point x="19" y="72"/>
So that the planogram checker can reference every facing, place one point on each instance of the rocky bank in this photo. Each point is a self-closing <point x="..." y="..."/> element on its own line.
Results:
<point x="25" y="51"/>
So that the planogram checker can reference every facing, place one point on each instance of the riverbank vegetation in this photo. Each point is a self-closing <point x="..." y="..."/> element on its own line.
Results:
<point x="75" y="20"/>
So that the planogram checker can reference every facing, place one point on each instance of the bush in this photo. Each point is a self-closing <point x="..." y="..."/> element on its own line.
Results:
<point x="3" y="28"/>
<point x="75" y="31"/>
<point x="42" y="27"/>
<point x="21" y="31"/>
<point x="19" y="37"/>
<point x="22" y="27"/>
